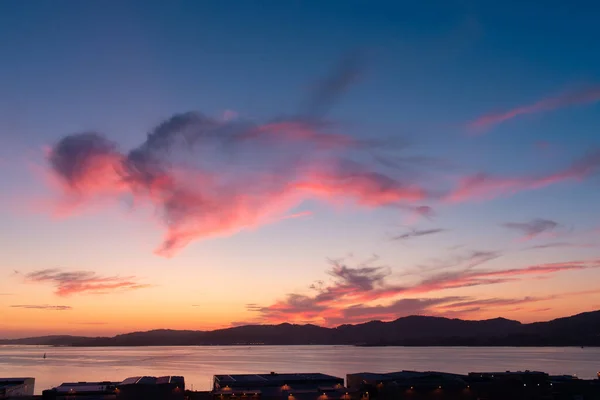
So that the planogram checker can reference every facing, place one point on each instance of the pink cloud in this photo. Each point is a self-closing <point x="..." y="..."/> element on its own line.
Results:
<point x="486" y="187"/>
<point x="211" y="178"/>
<point x="488" y="121"/>
<point x="468" y="277"/>
<point x="348" y="297"/>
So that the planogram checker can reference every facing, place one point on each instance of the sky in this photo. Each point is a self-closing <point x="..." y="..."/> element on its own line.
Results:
<point x="200" y="165"/>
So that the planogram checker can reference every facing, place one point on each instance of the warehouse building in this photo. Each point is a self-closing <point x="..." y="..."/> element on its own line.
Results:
<point x="298" y="386"/>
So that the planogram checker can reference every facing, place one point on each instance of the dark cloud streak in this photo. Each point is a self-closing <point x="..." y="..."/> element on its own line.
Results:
<point x="533" y="228"/>
<point x="417" y="233"/>
<point x="43" y="307"/>
<point x="79" y="282"/>
<point x="329" y="90"/>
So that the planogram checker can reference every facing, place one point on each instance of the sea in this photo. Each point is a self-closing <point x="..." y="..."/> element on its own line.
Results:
<point x="199" y="363"/>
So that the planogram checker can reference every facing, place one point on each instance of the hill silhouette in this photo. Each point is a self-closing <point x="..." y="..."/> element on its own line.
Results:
<point x="578" y="330"/>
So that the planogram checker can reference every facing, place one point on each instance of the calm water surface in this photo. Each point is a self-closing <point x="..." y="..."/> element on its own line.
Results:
<point x="198" y="364"/>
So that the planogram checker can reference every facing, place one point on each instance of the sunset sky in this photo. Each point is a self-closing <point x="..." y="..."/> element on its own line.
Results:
<point x="199" y="165"/>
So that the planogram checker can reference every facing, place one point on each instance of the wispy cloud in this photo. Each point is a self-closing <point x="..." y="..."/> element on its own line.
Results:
<point x="584" y="96"/>
<point x="560" y="245"/>
<point x="301" y="214"/>
<point x="469" y="277"/>
<point x="325" y="94"/>
<point x="417" y="233"/>
<point x="423" y="211"/>
<point x="234" y="324"/>
<point x="533" y="228"/>
<point x="542" y="309"/>
<point x="82" y="282"/>
<point x="476" y="306"/>
<point x="43" y="307"/>
<point x="486" y="187"/>
<point x="464" y="308"/>
<point x="494" y="302"/>
<point x="466" y="260"/>
<point x="253" y="307"/>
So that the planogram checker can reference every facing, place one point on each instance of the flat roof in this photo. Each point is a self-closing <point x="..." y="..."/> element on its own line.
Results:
<point x="404" y="375"/>
<point x="507" y="373"/>
<point x="274" y="378"/>
<point x="151" y="380"/>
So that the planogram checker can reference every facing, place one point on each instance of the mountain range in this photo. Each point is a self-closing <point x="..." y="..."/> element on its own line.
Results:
<point x="577" y="330"/>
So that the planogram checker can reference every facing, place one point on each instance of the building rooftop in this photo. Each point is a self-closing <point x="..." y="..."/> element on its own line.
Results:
<point x="408" y="379"/>
<point x="278" y="385"/>
<point x="401" y="375"/>
<point x="508" y="373"/>
<point x="564" y="378"/>
<point x="9" y="382"/>
<point x="86" y="387"/>
<point x="273" y="378"/>
<point x="139" y="380"/>
<point x="512" y="375"/>
<point x="151" y="380"/>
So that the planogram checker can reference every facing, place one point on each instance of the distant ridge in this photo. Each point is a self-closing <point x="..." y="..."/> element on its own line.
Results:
<point x="577" y="330"/>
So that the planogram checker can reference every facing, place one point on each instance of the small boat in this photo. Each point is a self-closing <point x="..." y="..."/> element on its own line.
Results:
<point x="44" y="356"/>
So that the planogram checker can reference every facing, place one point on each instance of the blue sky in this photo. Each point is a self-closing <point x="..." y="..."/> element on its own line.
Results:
<point x="431" y="68"/>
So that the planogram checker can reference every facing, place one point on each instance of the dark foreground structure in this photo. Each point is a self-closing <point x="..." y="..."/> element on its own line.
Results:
<point x="139" y="387"/>
<point x="527" y="385"/>
<point x="410" y="385"/>
<point x="16" y="387"/>
<point x="279" y="386"/>
<point x="413" y="385"/>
